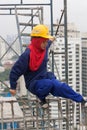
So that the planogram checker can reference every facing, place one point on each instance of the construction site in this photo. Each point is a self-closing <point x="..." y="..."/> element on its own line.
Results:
<point x="23" y="112"/>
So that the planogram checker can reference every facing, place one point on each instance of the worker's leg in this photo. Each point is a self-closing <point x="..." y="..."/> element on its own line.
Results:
<point x="63" y="90"/>
<point x="43" y="88"/>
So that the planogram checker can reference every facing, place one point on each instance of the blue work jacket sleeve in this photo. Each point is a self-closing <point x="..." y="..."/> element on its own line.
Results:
<point x="19" y="69"/>
<point x="49" y="43"/>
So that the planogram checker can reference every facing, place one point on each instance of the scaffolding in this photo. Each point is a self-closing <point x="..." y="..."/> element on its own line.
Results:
<point x="31" y="115"/>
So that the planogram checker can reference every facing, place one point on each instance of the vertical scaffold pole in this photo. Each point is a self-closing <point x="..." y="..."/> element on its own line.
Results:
<point x="51" y="10"/>
<point x="18" y="28"/>
<point x="66" y="59"/>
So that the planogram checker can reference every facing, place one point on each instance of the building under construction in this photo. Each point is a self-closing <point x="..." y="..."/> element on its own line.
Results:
<point x="23" y="111"/>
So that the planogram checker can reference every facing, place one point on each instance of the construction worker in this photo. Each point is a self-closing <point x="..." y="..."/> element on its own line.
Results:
<point x="33" y="65"/>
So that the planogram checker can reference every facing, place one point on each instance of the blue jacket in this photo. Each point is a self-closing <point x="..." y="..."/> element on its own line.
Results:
<point x="21" y="67"/>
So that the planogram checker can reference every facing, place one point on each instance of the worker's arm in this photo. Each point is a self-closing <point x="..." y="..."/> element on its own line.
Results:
<point x="19" y="68"/>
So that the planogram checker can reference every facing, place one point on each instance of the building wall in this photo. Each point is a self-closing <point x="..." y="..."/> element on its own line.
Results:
<point x="74" y="68"/>
<point x="2" y="49"/>
<point x="84" y="65"/>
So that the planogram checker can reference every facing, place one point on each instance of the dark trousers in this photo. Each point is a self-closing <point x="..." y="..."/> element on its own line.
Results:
<point x="42" y="88"/>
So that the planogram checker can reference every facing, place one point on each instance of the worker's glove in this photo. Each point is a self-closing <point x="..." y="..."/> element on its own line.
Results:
<point x="12" y="91"/>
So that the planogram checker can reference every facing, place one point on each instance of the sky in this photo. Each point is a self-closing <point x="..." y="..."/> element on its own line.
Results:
<point x="76" y="13"/>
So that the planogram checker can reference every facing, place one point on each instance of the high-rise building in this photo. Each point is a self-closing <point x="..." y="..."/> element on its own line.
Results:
<point x="84" y="64"/>
<point x="74" y="67"/>
<point x="2" y="49"/>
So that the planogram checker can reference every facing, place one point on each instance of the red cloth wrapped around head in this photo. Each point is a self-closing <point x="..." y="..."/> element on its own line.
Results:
<point x="36" y="53"/>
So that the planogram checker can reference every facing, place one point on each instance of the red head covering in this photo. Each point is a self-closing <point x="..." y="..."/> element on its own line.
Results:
<point x="36" y="53"/>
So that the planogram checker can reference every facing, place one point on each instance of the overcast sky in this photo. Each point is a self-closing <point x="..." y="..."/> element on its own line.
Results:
<point x="77" y="13"/>
<point x="76" y="10"/>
